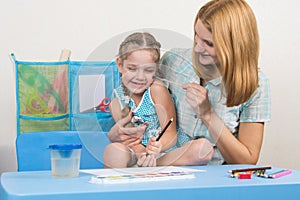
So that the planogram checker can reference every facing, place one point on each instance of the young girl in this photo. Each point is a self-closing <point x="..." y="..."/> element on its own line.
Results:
<point x="144" y="99"/>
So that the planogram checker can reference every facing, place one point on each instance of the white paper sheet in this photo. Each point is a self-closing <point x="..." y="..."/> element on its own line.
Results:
<point x="91" y="91"/>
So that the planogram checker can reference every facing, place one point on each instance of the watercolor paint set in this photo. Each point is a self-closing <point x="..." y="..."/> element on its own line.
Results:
<point x="140" y="174"/>
<point x="137" y="178"/>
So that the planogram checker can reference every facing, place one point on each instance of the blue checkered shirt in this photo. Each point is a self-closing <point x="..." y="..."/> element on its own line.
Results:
<point x="176" y="66"/>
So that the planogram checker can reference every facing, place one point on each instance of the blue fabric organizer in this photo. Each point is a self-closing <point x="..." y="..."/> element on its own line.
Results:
<point x="50" y="95"/>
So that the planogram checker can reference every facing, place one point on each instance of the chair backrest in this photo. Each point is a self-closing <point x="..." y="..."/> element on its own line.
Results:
<point x="33" y="151"/>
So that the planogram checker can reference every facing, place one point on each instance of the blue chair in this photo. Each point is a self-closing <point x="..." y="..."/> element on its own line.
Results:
<point x="33" y="151"/>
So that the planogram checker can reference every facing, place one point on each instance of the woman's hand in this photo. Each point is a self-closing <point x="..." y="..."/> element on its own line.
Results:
<point x="127" y="135"/>
<point x="197" y="97"/>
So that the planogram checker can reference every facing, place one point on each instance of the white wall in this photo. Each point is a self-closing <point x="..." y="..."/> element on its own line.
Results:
<point x="40" y="29"/>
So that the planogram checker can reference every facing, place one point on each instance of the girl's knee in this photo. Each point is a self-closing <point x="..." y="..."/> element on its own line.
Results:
<point x="116" y="155"/>
<point x="115" y="148"/>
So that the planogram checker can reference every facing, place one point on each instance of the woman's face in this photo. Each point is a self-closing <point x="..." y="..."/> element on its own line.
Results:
<point x="204" y="45"/>
<point x="138" y="71"/>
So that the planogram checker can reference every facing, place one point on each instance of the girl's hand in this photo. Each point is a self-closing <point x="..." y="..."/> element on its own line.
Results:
<point x="153" y="147"/>
<point x="146" y="160"/>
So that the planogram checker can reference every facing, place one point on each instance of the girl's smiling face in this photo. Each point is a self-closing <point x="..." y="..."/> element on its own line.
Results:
<point x="137" y="70"/>
<point x="204" y="45"/>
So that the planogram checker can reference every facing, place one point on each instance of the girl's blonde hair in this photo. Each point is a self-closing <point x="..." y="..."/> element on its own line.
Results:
<point x="138" y="41"/>
<point x="236" y="41"/>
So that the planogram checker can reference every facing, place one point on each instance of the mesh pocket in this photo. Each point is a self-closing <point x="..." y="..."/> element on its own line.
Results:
<point x="92" y="122"/>
<point x="43" y="89"/>
<point x="37" y="124"/>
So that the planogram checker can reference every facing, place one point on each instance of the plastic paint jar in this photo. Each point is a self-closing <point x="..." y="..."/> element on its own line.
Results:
<point x="65" y="160"/>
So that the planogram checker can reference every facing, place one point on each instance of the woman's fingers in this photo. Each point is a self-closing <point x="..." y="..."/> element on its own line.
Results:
<point x="134" y="141"/>
<point x="134" y="131"/>
<point x="197" y="97"/>
<point x="125" y="120"/>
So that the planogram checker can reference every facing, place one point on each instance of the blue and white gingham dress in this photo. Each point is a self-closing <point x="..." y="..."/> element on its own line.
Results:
<point x="145" y="110"/>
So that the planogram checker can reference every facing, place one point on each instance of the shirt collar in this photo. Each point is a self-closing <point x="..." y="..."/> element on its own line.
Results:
<point x="215" y="82"/>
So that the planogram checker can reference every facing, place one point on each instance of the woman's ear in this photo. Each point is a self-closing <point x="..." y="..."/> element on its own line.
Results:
<point x="119" y="64"/>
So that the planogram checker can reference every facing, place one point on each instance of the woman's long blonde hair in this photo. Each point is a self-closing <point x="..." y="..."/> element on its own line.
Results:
<point x="236" y="41"/>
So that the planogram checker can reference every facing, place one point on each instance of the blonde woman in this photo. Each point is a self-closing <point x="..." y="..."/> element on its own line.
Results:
<point x="227" y="94"/>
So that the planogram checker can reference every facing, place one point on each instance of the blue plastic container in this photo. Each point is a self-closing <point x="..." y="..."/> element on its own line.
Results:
<point x="65" y="160"/>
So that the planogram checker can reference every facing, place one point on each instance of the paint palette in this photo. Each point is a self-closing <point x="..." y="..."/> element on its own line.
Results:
<point x="137" y="175"/>
<point x="137" y="178"/>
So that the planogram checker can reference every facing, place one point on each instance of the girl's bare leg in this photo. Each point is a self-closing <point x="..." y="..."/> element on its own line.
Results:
<point x="116" y="155"/>
<point x="195" y="152"/>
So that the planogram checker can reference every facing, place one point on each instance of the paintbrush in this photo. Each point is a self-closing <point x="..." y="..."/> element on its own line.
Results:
<point x="164" y="129"/>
